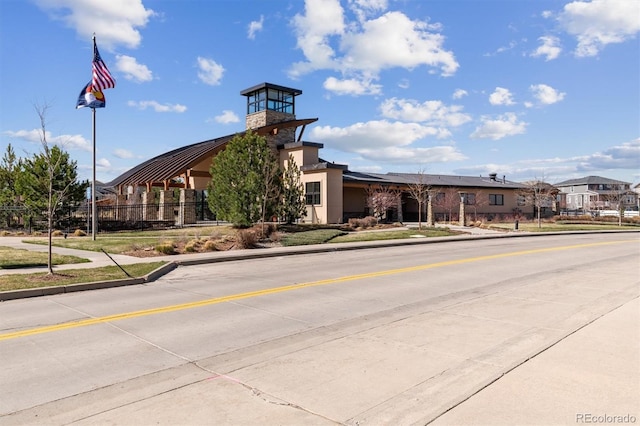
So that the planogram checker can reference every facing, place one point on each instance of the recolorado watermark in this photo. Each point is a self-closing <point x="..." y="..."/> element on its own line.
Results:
<point x="589" y="418"/>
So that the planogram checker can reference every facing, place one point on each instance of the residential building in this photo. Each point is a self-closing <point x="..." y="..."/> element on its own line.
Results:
<point x="594" y="193"/>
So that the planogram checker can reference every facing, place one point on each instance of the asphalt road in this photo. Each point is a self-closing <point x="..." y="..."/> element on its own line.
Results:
<point x="401" y="335"/>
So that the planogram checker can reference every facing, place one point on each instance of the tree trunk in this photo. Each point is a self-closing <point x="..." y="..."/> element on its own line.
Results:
<point x="50" y="258"/>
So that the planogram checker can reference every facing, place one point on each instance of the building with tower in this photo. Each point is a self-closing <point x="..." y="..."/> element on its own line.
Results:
<point x="333" y="193"/>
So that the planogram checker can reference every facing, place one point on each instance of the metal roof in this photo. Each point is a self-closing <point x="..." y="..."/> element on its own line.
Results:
<point x="429" y="179"/>
<point x="178" y="161"/>
<point x="294" y="92"/>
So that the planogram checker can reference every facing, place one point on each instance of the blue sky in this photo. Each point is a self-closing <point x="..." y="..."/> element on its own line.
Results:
<point x="527" y="89"/>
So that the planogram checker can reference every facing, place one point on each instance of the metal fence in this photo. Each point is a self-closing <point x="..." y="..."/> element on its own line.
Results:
<point x="110" y="217"/>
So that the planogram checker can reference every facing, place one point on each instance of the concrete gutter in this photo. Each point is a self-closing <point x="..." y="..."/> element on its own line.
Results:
<point x="230" y="256"/>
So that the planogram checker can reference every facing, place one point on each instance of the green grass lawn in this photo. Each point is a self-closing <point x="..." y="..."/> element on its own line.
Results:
<point x="393" y="235"/>
<point x="75" y="276"/>
<point x="11" y="258"/>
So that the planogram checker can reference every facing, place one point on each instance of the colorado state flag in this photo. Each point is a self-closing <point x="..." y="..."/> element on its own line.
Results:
<point x="90" y="98"/>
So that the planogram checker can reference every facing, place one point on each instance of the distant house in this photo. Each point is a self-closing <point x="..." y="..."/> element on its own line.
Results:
<point x="593" y="193"/>
<point x="333" y="193"/>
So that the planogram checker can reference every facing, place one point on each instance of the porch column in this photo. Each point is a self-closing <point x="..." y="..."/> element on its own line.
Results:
<point x="165" y="205"/>
<point x="187" y="211"/>
<point x="134" y="212"/>
<point x="149" y="209"/>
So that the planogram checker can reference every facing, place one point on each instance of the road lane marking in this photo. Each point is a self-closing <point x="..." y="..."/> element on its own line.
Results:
<point x="275" y="290"/>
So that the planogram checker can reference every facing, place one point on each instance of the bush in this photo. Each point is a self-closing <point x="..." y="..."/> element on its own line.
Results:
<point x="192" y="246"/>
<point x="363" y="223"/>
<point x="246" y="239"/>
<point x="79" y="233"/>
<point x="166" y="247"/>
<point x="210" y="245"/>
<point x="5" y="233"/>
<point x="57" y="233"/>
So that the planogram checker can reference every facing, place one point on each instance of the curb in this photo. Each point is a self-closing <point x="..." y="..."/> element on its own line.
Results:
<point x="253" y="254"/>
<point x="97" y="285"/>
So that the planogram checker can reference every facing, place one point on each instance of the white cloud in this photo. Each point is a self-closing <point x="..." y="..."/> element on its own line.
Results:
<point x="364" y="8"/>
<point x="431" y="112"/>
<point x="621" y="157"/>
<point x="132" y="69"/>
<point x="501" y="96"/>
<point x="546" y="95"/>
<point x="407" y="155"/>
<point x="351" y="87"/>
<point x="115" y="22"/>
<point x="391" y="142"/>
<point x="123" y="153"/>
<point x="625" y="156"/>
<point x="157" y="107"/>
<point x="549" y="48"/>
<point x="68" y="142"/>
<point x="254" y="27"/>
<point x="598" y="23"/>
<point x="361" y="49"/>
<point x="103" y="164"/>
<point x="394" y="40"/>
<point x="375" y="135"/>
<point x="210" y="72"/>
<point x="459" y="94"/>
<point x="505" y="125"/>
<point x="512" y="44"/>
<point x="322" y="18"/>
<point x="227" y="117"/>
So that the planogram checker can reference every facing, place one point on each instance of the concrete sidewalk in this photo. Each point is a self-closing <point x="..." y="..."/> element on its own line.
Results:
<point x="591" y="376"/>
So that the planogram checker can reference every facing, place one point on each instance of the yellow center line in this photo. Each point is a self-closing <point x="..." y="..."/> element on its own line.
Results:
<point x="257" y="293"/>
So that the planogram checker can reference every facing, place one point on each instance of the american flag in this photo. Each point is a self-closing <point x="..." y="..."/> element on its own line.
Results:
<point x="102" y="78"/>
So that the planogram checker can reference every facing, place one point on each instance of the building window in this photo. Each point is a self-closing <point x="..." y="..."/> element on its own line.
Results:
<point x="312" y="193"/>
<point x="496" y="200"/>
<point x="469" y="198"/>
<point x="272" y="100"/>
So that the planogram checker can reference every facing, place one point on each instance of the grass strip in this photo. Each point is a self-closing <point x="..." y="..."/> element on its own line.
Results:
<point x="561" y="227"/>
<point x="393" y="235"/>
<point x="75" y="276"/>
<point x="11" y="258"/>
<point x="317" y="236"/>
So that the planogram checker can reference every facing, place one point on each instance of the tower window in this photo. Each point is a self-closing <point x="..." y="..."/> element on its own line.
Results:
<point x="271" y="97"/>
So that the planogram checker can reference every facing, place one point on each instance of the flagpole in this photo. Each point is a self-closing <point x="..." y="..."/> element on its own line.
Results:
<point x="94" y="210"/>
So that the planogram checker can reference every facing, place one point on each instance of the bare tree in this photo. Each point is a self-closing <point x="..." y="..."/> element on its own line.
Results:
<point x="419" y="191"/>
<point x="448" y="200"/>
<point x="48" y="179"/>
<point x="381" y="198"/>
<point x="481" y="199"/>
<point x="540" y="195"/>
<point x="618" y="198"/>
